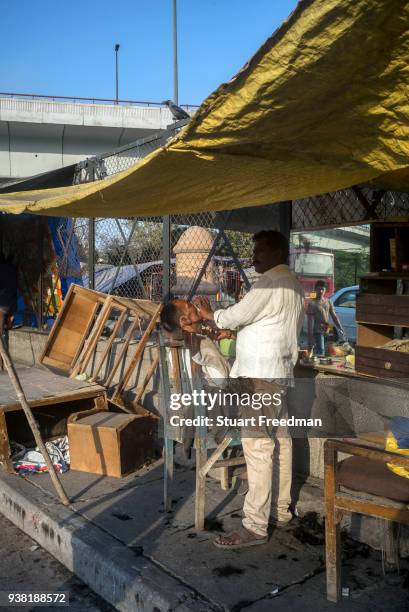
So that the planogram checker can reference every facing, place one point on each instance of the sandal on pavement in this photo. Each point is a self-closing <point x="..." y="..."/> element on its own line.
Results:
<point x="239" y="538"/>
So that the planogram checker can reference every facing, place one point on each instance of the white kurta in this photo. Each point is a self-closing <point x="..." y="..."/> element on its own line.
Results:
<point x="268" y="320"/>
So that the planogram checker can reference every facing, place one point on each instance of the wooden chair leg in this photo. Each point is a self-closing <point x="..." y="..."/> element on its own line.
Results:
<point x="168" y="475"/>
<point x="391" y="543"/>
<point x="201" y="457"/>
<point x="224" y="480"/>
<point x="5" y="451"/>
<point x="332" y="529"/>
<point x="333" y="556"/>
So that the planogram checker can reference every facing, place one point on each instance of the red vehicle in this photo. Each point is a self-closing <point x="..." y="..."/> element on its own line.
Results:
<point x="311" y="266"/>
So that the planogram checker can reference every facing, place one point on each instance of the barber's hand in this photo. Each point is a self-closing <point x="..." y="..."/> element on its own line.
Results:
<point x="224" y="333"/>
<point x="203" y="306"/>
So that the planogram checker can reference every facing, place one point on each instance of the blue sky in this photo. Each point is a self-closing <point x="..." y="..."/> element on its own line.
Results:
<point x="66" y="48"/>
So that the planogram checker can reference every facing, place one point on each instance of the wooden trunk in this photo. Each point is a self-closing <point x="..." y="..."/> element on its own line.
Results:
<point x="111" y="444"/>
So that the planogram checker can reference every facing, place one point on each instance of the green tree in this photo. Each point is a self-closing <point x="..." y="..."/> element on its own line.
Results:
<point x="242" y="245"/>
<point x="349" y="267"/>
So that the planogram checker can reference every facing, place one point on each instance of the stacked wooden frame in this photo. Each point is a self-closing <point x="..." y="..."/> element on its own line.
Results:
<point x="74" y="339"/>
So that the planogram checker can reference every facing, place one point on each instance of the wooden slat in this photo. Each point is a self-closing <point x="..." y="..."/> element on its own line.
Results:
<point x="358" y="448"/>
<point x="383" y="309"/>
<point x="85" y="334"/>
<point x="95" y="334"/>
<point x="141" y="388"/>
<point x="110" y="342"/>
<point x="232" y="462"/>
<point x="215" y="455"/>
<point x="380" y="510"/>
<point x="123" y="350"/>
<point x="138" y="353"/>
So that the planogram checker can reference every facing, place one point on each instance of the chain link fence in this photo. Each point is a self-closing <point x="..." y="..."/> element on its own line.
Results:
<point x="125" y="256"/>
<point x="356" y="205"/>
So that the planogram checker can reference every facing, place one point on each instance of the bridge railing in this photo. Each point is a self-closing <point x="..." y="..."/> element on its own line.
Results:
<point x="87" y="100"/>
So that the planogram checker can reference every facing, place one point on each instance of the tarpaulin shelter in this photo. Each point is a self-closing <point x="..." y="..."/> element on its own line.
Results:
<point x="321" y="106"/>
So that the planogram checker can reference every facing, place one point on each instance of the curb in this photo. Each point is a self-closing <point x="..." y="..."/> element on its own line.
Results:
<point x="112" y="570"/>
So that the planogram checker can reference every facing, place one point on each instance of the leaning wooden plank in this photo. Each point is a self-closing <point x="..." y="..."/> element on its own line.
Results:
<point x="110" y="342"/>
<point x="85" y="335"/>
<point x="138" y="353"/>
<point x="140" y="390"/>
<point x="95" y="334"/>
<point x="122" y="353"/>
<point x="200" y="497"/>
<point x="31" y="421"/>
<point x="56" y="325"/>
<point x="215" y="455"/>
<point x="176" y="381"/>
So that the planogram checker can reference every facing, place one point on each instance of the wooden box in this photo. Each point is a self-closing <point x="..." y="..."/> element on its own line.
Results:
<point x="382" y="363"/>
<point x="390" y="247"/>
<point x="110" y="443"/>
<point x="382" y="309"/>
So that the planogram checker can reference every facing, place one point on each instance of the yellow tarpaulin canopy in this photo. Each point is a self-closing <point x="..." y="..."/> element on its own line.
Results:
<point x="323" y="105"/>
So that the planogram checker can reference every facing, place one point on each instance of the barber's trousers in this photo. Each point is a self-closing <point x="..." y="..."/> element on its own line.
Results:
<point x="269" y="471"/>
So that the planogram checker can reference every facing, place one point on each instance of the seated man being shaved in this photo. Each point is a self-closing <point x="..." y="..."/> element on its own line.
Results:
<point x="181" y="318"/>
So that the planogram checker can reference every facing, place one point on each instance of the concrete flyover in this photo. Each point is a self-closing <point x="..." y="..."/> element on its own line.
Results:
<point x="38" y="134"/>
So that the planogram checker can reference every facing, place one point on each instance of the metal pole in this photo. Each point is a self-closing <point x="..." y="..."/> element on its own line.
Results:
<point x="285" y="218"/>
<point x="175" y="55"/>
<point x="229" y="245"/>
<point x="40" y="310"/>
<point x="166" y="246"/>
<point x="91" y="253"/>
<point x="116" y="71"/>
<point x="15" y="381"/>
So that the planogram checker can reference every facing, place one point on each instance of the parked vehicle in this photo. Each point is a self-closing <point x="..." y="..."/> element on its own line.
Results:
<point x="344" y="301"/>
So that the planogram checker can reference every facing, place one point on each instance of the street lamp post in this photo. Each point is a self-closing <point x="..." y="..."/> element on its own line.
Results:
<point x="175" y="55"/>
<point x="166" y="226"/>
<point x="116" y="70"/>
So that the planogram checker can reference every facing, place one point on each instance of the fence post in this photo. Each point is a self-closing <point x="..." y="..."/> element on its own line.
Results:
<point x="166" y="246"/>
<point x="91" y="253"/>
<point x="285" y="218"/>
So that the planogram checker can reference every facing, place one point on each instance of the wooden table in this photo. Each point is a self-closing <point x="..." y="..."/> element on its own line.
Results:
<point x="43" y="388"/>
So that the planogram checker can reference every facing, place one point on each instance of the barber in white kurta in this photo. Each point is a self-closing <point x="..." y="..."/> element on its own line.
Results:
<point x="268" y="321"/>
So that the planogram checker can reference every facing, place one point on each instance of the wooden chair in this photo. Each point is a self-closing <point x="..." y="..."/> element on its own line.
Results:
<point x="202" y="442"/>
<point x="361" y="483"/>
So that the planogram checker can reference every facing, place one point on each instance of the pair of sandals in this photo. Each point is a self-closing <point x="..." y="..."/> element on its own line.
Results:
<point x="239" y="538"/>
